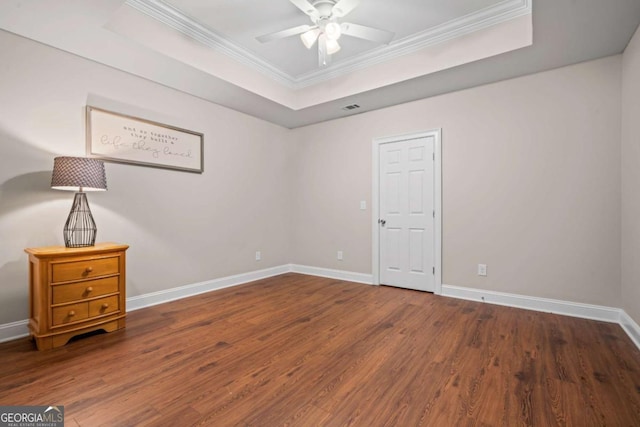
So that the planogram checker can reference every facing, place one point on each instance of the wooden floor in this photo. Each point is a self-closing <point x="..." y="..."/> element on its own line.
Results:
<point x="304" y="351"/>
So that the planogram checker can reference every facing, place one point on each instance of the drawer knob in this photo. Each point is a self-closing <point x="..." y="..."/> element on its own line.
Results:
<point x="105" y="306"/>
<point x="72" y="313"/>
<point x="89" y="289"/>
<point x="88" y="269"/>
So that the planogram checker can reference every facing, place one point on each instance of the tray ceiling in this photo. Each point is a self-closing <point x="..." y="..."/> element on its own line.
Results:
<point x="232" y="27"/>
<point x="208" y="49"/>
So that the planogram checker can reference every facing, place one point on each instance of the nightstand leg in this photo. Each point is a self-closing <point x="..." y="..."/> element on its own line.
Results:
<point x="45" y="343"/>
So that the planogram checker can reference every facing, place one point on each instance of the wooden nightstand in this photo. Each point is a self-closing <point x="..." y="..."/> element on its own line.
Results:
<point x="75" y="290"/>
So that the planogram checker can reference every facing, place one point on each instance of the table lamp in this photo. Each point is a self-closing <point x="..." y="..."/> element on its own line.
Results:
<point x="79" y="174"/>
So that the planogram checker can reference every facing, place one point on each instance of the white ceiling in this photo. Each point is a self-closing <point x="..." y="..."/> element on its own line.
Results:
<point x="226" y="28"/>
<point x="242" y="21"/>
<point x="207" y="47"/>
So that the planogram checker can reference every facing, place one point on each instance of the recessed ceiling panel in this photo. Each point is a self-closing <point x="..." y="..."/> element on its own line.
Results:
<point x="241" y="21"/>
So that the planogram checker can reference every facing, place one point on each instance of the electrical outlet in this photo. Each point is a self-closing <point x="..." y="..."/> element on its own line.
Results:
<point x="258" y="256"/>
<point x="482" y="269"/>
<point x="339" y="255"/>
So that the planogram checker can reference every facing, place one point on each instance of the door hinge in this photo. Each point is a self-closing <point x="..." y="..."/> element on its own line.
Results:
<point x="434" y="157"/>
<point x="434" y="271"/>
<point x="434" y="214"/>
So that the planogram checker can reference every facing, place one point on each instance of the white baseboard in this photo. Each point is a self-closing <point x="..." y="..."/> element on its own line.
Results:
<point x="14" y="330"/>
<point x="160" y="297"/>
<point x="630" y="327"/>
<point x="20" y="329"/>
<point x="567" y="308"/>
<point x="333" y="274"/>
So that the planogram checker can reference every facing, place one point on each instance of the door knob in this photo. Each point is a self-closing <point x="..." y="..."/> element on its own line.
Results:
<point x="382" y="222"/>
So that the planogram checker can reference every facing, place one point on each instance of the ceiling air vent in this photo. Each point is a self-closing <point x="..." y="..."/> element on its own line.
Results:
<point x="351" y="107"/>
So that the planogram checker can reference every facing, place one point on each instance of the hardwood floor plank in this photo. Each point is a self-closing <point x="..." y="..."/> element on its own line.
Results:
<point x="297" y="350"/>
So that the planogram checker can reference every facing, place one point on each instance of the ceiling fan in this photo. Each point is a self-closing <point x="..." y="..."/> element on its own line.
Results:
<point x="326" y="29"/>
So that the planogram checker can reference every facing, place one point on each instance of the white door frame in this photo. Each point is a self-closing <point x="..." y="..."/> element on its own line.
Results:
<point x="375" y="203"/>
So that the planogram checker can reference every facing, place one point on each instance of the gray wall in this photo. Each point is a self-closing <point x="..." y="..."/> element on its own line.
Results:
<point x="631" y="178"/>
<point x="531" y="184"/>
<point x="531" y="181"/>
<point x="183" y="228"/>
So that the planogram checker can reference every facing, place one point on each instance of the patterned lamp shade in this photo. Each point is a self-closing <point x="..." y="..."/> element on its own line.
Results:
<point x="78" y="174"/>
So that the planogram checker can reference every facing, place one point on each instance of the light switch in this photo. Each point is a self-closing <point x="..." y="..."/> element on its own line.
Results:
<point x="363" y="205"/>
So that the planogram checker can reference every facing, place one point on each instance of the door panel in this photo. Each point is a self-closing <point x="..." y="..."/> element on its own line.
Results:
<point x="393" y="248"/>
<point x="393" y="192"/>
<point x="416" y="250"/>
<point x="416" y="192"/>
<point x="407" y="233"/>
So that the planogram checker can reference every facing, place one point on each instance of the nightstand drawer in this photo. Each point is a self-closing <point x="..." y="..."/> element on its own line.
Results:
<point x="103" y="306"/>
<point x="89" y="289"/>
<point x="70" y="313"/>
<point x="85" y="269"/>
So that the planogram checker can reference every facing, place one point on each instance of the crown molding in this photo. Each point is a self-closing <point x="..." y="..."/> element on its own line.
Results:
<point x="484" y="18"/>
<point x="479" y="20"/>
<point x="177" y="20"/>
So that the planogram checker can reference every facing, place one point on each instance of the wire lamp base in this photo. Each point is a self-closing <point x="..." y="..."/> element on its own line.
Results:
<point x="80" y="229"/>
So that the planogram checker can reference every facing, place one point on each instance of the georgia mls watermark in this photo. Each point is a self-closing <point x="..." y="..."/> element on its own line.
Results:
<point x="31" y="416"/>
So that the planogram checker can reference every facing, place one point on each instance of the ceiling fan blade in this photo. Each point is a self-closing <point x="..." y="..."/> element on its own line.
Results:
<point x="306" y="7"/>
<point x="343" y="7"/>
<point x="284" y="33"/>
<point x="367" y="33"/>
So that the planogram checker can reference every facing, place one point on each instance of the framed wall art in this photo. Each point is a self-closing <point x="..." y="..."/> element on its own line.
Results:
<point x="126" y="139"/>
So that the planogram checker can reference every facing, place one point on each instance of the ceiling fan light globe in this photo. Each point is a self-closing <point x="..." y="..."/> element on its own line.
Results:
<point x="333" y="31"/>
<point x="309" y="38"/>
<point x="332" y="46"/>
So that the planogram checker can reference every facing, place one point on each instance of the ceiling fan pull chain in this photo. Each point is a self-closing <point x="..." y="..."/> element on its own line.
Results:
<point x="323" y="58"/>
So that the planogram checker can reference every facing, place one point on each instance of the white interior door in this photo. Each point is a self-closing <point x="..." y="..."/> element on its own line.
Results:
<point x="407" y="213"/>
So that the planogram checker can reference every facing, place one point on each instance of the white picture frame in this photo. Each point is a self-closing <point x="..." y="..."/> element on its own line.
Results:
<point x="122" y="138"/>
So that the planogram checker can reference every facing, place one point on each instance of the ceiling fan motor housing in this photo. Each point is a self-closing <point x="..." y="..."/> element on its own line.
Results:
<point x="324" y="8"/>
